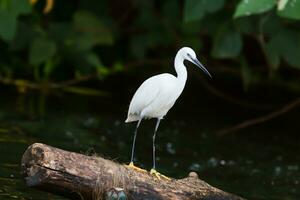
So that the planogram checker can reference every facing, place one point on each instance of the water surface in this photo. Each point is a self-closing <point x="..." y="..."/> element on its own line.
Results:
<point x="260" y="163"/>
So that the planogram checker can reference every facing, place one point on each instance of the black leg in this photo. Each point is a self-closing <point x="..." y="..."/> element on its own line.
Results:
<point x="134" y="137"/>
<point x="153" y="140"/>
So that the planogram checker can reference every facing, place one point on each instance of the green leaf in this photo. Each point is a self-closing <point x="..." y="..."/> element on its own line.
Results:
<point x="290" y="47"/>
<point x="49" y="67"/>
<point x="118" y="67"/>
<point x="291" y="10"/>
<point x="196" y="9"/>
<point x="281" y="4"/>
<point x="60" y="31"/>
<point x="24" y="35"/>
<point x="246" y="25"/>
<point x="4" y="4"/>
<point x="271" y="25"/>
<point x="94" y="60"/>
<point x="8" y="25"/>
<point x="91" y="29"/>
<point x="285" y="44"/>
<point x="20" y="7"/>
<point x="9" y="12"/>
<point x="273" y="53"/>
<point x="15" y="7"/>
<point x="227" y="43"/>
<point x="250" y="7"/>
<point x="41" y="50"/>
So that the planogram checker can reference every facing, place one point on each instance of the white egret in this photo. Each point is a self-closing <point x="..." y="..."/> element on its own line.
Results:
<point x="157" y="94"/>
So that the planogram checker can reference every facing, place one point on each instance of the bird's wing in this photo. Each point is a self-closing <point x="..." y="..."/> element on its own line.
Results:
<point x="144" y="95"/>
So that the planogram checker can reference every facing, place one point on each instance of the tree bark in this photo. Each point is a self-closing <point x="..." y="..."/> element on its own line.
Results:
<point x="78" y="176"/>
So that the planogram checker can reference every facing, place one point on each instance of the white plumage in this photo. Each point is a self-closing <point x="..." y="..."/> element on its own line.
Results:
<point x="156" y="96"/>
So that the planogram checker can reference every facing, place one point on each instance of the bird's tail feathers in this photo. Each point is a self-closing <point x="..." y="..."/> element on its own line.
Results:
<point x="132" y="118"/>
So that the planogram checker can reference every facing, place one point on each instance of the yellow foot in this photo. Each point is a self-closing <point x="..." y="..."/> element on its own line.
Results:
<point x="158" y="175"/>
<point x="131" y="166"/>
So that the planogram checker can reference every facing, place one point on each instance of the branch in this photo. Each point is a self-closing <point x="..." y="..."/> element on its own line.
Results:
<point x="77" y="80"/>
<point x="229" y="97"/>
<point x="261" y="119"/>
<point x="27" y="84"/>
<point x="24" y="85"/>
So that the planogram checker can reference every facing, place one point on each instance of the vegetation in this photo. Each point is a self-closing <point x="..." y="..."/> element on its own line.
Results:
<point x="251" y="47"/>
<point x="53" y="42"/>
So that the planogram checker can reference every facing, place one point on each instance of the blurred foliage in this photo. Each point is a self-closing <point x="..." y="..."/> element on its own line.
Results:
<point x="54" y="41"/>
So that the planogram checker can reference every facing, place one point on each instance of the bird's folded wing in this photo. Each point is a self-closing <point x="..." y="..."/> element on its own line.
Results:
<point x="144" y="96"/>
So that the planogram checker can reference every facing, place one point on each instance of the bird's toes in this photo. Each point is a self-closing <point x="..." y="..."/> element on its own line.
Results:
<point x="158" y="175"/>
<point x="132" y="166"/>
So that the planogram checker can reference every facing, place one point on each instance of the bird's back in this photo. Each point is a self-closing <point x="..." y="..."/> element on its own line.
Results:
<point x="154" y="97"/>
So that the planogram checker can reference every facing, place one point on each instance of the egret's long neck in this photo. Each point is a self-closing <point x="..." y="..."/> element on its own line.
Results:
<point x="180" y="68"/>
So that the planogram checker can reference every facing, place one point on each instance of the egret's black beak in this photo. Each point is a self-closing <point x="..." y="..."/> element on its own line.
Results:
<point x="198" y="63"/>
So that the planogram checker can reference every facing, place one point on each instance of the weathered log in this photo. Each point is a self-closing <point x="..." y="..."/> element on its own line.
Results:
<point x="90" y="177"/>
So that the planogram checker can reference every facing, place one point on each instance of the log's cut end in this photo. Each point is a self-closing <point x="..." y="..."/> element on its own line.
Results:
<point x="79" y="176"/>
<point x="31" y="164"/>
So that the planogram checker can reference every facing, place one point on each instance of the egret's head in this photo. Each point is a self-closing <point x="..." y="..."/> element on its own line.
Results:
<point x="190" y="55"/>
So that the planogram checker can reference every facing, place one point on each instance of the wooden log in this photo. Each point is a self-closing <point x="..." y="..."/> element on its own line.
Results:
<point x="90" y="177"/>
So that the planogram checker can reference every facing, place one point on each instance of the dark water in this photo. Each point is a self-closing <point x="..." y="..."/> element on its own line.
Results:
<point x="260" y="163"/>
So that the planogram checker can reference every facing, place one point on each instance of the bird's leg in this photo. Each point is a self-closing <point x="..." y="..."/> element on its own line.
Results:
<point x="134" y="138"/>
<point x="131" y="165"/>
<point x="153" y="170"/>
<point x="153" y="143"/>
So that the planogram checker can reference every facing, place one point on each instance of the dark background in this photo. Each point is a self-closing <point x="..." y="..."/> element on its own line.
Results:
<point x="68" y="70"/>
